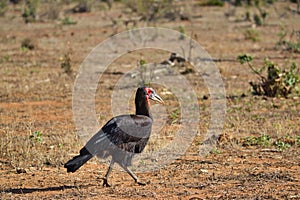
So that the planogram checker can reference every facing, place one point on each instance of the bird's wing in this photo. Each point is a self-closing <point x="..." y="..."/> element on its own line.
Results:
<point x="128" y="132"/>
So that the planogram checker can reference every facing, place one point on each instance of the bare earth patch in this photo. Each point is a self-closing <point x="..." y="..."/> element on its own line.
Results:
<point x="37" y="132"/>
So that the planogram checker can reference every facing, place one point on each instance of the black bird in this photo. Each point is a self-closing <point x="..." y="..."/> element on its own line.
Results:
<point x="121" y="137"/>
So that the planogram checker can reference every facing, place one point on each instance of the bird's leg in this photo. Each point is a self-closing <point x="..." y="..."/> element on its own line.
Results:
<point x="105" y="183"/>
<point x="132" y="175"/>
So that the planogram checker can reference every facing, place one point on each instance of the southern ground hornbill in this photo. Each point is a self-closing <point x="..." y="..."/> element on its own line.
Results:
<point x="121" y="137"/>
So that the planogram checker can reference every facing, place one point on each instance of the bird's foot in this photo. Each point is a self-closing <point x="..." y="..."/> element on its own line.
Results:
<point x="105" y="183"/>
<point x="141" y="183"/>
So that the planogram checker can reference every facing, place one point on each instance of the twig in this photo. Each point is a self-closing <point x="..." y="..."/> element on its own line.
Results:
<point x="255" y="71"/>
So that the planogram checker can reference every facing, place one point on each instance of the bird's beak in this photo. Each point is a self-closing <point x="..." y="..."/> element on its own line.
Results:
<point x="157" y="98"/>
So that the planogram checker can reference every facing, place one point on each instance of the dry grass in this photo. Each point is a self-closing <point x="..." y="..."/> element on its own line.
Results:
<point x="27" y="150"/>
<point x="36" y="97"/>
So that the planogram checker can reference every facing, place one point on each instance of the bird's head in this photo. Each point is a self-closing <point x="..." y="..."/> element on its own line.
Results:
<point x="142" y="102"/>
<point x="151" y="94"/>
<point x="147" y="93"/>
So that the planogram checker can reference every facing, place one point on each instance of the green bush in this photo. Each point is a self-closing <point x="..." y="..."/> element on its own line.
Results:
<point x="27" y="44"/>
<point x="252" y="34"/>
<point x="263" y="140"/>
<point x="68" y="21"/>
<point x="3" y="7"/>
<point x="30" y="10"/>
<point x="36" y="136"/>
<point x="278" y="82"/>
<point x="213" y="3"/>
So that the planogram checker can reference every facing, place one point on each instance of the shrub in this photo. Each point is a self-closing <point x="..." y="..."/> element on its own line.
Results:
<point x="30" y="10"/>
<point x="252" y="34"/>
<point x="68" y="21"/>
<point x="278" y="82"/>
<point x="27" y="43"/>
<point x="3" y="7"/>
<point x="212" y="3"/>
<point x="66" y="63"/>
<point x="292" y="44"/>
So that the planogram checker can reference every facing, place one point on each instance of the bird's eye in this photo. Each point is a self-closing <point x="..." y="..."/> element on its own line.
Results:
<point x="148" y="91"/>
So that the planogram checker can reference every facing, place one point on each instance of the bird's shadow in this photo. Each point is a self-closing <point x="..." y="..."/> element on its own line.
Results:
<point x="31" y="190"/>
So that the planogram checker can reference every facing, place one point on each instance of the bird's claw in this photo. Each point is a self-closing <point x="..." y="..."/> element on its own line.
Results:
<point x="105" y="183"/>
<point x="141" y="183"/>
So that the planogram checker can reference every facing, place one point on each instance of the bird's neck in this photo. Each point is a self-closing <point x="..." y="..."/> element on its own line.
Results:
<point x="143" y="108"/>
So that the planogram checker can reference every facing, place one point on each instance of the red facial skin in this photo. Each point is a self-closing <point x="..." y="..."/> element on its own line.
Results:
<point x="149" y="92"/>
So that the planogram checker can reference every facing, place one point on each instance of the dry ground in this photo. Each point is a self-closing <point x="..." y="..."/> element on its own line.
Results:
<point x="36" y="97"/>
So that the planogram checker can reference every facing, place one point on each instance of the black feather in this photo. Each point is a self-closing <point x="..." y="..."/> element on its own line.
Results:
<point x="121" y="137"/>
<point x="76" y="162"/>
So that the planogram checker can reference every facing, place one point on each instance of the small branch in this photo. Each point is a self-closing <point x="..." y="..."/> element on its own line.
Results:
<point x="255" y="71"/>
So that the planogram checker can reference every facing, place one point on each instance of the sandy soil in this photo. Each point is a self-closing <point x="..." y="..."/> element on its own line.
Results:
<point x="38" y="133"/>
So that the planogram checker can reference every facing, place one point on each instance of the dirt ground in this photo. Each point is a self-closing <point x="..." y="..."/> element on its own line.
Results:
<point x="38" y="134"/>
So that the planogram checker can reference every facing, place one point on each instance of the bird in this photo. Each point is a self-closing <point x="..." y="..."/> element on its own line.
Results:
<point x="121" y="137"/>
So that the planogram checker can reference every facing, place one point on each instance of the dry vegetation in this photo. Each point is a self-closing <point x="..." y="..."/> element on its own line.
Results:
<point x="43" y="44"/>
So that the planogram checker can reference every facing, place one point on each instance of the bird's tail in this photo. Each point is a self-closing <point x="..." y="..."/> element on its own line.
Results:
<point x="76" y="162"/>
